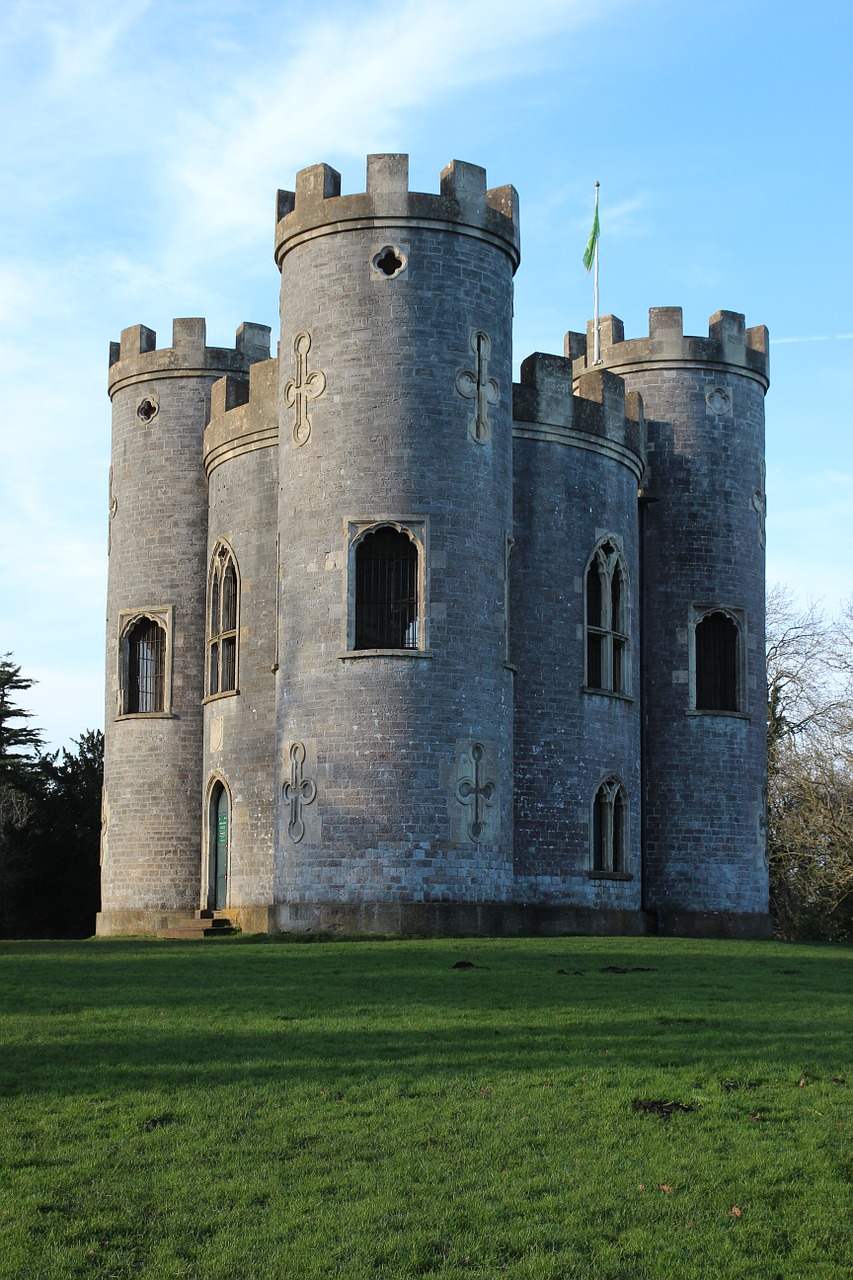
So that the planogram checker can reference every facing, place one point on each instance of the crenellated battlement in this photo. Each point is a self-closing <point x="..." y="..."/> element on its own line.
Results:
<point x="464" y="205"/>
<point x="136" y="357"/>
<point x="596" y="414"/>
<point x="243" y="414"/>
<point x="728" y="344"/>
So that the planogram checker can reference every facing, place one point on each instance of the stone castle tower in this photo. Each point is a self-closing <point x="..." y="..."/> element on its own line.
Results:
<point x="395" y="646"/>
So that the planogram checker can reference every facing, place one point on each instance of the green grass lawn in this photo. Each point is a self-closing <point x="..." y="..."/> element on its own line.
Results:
<point x="263" y="1108"/>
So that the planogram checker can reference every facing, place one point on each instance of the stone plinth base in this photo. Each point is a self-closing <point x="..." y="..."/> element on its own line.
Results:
<point x="446" y="919"/>
<point x="452" y="919"/>
<point x="675" y="923"/>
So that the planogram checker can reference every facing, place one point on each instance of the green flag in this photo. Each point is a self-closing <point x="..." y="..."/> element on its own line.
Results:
<point x="589" y="252"/>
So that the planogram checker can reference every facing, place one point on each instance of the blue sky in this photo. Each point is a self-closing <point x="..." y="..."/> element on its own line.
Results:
<point x="143" y="144"/>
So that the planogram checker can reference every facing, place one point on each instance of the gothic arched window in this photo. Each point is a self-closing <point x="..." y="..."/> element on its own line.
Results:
<point x="607" y="621"/>
<point x="610" y="828"/>
<point x="144" y="667"/>
<point x="386" y="590"/>
<point x="717" y="651"/>
<point x="222" y="623"/>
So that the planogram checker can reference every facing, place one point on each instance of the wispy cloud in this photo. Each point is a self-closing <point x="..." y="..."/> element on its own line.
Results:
<point x="331" y="89"/>
<point x="148" y="140"/>
<point x="818" y="337"/>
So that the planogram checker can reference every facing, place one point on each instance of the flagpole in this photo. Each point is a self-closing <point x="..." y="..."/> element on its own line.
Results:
<point x="596" y="327"/>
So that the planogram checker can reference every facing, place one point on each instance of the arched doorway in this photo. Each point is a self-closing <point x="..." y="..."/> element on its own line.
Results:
<point x="219" y="821"/>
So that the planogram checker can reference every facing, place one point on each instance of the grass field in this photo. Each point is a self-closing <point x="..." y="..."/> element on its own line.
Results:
<point x="263" y="1108"/>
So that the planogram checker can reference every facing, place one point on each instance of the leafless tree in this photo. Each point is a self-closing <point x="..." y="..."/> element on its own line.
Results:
<point x="810" y="768"/>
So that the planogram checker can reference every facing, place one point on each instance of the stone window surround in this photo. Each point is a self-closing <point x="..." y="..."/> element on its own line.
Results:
<point x="222" y="549"/>
<point x="417" y="528"/>
<point x="163" y="615"/>
<point x="614" y="785"/>
<point x="738" y="616"/>
<point x="620" y="565"/>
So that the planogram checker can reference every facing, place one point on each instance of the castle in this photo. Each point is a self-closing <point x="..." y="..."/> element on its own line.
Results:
<point x="397" y="646"/>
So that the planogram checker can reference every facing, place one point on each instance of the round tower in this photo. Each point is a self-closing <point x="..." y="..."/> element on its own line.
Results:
<point x="394" y="732"/>
<point x="702" y="599"/>
<point x="151" y="843"/>
<point x="575" y="639"/>
<point x="241" y="461"/>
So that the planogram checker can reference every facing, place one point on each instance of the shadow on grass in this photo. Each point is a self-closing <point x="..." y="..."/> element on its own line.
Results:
<point x="122" y="1016"/>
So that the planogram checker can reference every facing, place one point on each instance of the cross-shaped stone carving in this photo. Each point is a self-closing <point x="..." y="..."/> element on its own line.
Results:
<point x="475" y="384"/>
<point x="304" y="387"/>
<point x="763" y="826"/>
<point x="474" y="791"/>
<point x="759" y="506"/>
<point x="297" y="791"/>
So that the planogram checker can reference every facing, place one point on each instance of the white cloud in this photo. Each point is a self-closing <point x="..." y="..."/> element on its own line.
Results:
<point x="829" y="337"/>
<point x="336" y="87"/>
<point x="148" y="140"/>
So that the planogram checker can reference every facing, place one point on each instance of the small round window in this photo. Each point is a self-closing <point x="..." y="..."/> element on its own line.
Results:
<point x="389" y="261"/>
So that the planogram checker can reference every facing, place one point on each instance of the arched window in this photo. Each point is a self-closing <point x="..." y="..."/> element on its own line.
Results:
<point x="717" y="645"/>
<point x="386" y="590"/>
<point x="607" y="621"/>
<point x="610" y="828"/>
<point x="222" y="623"/>
<point x="145" y="667"/>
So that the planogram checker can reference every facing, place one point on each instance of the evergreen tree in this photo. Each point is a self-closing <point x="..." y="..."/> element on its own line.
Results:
<point x="19" y="742"/>
<point x="50" y="821"/>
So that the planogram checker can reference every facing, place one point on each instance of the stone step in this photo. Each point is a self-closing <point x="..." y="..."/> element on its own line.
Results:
<point x="204" y="925"/>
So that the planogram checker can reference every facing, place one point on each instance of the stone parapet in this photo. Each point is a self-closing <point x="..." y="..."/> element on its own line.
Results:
<point x="243" y="415"/>
<point x="136" y="357"/>
<point x="464" y="205"/>
<point x="599" y="416"/>
<point x="729" y="345"/>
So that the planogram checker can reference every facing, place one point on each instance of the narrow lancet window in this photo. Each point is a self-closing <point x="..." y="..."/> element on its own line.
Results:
<point x="606" y="621"/>
<point x="222" y="623"/>
<point x="610" y="828"/>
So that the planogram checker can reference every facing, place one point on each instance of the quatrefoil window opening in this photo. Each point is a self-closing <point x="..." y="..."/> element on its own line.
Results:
<point x="147" y="409"/>
<point x="389" y="261"/>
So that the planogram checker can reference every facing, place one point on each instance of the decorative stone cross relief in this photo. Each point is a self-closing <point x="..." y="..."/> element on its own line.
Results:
<point x="297" y="791"/>
<point x="475" y="384"/>
<point x="759" y="506"/>
<point x="113" y="510"/>
<point x="477" y="793"/>
<point x="763" y="826"/>
<point x="304" y="387"/>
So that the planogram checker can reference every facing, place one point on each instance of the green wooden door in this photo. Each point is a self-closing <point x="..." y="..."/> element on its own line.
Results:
<point x="220" y="848"/>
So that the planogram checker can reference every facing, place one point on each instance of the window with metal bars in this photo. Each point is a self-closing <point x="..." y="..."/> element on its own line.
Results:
<point x="606" y="621"/>
<point x="145" y="667"/>
<point x="717" y="645"/>
<point x="386" y="590"/>
<point x="222" y="623"/>
<point x="610" y="828"/>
